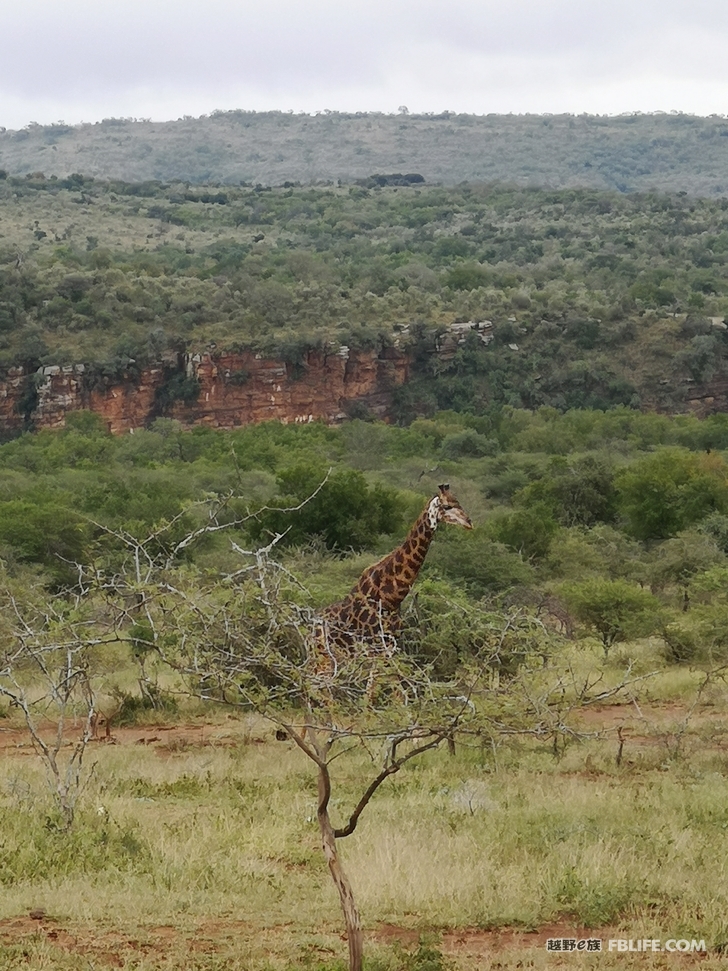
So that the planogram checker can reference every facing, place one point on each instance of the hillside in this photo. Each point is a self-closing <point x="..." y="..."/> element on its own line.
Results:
<point x="406" y="298"/>
<point x="628" y="153"/>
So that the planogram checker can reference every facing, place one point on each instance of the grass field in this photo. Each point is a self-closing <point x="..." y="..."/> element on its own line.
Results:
<point x="197" y="846"/>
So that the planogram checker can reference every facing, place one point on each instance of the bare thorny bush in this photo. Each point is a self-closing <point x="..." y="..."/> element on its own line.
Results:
<point x="246" y="639"/>
<point x="46" y="673"/>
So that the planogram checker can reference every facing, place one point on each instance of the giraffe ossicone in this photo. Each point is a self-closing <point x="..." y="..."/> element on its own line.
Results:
<point x="368" y="617"/>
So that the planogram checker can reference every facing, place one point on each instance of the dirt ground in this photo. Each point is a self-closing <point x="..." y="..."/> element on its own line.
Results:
<point x="472" y="947"/>
<point x="166" y="945"/>
<point x="165" y="739"/>
<point x="637" y="725"/>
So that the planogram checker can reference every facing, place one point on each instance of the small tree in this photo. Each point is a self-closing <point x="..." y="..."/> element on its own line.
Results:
<point x="670" y="490"/>
<point x="46" y="672"/>
<point x="612" y="609"/>
<point x="343" y="509"/>
<point x="527" y="531"/>
<point x="580" y="493"/>
<point x="679" y="560"/>
<point x="244" y="639"/>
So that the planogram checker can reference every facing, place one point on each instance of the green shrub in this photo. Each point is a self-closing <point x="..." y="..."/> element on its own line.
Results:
<point x="180" y="387"/>
<point x="36" y="847"/>
<point x="526" y="531"/>
<point x="345" y="512"/>
<point x="444" y="630"/>
<point x="426" y="956"/>
<point x="477" y="561"/>
<point x="682" y="643"/>
<point x="467" y="443"/>
<point x="613" y="610"/>
<point x="661" y="494"/>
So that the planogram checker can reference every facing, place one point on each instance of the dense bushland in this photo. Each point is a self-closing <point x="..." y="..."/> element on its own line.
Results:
<point x="578" y="513"/>
<point x="626" y="152"/>
<point x="596" y="298"/>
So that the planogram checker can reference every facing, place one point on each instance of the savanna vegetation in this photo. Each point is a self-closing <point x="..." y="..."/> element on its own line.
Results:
<point x="595" y="298"/>
<point x="627" y="153"/>
<point x="546" y="747"/>
<point x="588" y="776"/>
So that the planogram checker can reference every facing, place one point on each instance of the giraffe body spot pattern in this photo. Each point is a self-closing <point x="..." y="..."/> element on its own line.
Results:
<point x="368" y="617"/>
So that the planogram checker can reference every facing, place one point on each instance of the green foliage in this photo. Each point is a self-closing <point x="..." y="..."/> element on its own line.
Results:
<point x="37" y="848"/>
<point x="526" y="531"/>
<point x="682" y="642"/>
<point x="467" y="443"/>
<point x="577" y="553"/>
<point x="87" y="424"/>
<point x="465" y="276"/>
<point x="345" y="512"/>
<point x="135" y="709"/>
<point x="597" y="903"/>
<point x="628" y="153"/>
<point x="46" y="532"/>
<point x="579" y="493"/>
<point x="180" y="387"/>
<point x="713" y="633"/>
<point x="701" y="636"/>
<point x="575" y="303"/>
<point x="444" y="630"/>
<point x="716" y="526"/>
<point x="664" y="493"/>
<point x="475" y="560"/>
<point x="612" y="609"/>
<point x="679" y="560"/>
<point x="426" y="956"/>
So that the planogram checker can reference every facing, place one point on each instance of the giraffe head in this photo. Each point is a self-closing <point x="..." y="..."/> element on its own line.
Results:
<point x="445" y="508"/>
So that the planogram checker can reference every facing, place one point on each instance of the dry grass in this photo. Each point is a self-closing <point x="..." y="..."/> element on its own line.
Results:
<point x="211" y="834"/>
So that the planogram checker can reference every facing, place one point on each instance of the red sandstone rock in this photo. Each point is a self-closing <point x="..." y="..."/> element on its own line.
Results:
<point x="235" y="389"/>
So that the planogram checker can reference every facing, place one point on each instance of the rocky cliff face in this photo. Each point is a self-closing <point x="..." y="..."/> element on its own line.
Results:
<point x="221" y="390"/>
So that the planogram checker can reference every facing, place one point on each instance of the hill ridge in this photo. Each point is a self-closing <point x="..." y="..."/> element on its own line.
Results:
<point x="633" y="152"/>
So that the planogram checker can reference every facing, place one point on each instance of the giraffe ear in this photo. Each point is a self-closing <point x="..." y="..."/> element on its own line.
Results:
<point x="444" y="487"/>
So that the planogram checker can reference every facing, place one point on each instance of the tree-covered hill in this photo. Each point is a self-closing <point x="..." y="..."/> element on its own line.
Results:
<point x="584" y="298"/>
<point x="672" y="152"/>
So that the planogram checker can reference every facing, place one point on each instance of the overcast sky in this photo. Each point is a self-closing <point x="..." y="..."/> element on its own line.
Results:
<point x="84" y="60"/>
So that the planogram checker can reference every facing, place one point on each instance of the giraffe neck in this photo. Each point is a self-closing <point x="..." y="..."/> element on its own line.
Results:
<point x="389" y="581"/>
<point x="417" y="542"/>
<point x="403" y="564"/>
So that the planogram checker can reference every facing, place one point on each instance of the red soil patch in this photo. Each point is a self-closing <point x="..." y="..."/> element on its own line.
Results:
<point x="116" y="949"/>
<point x="647" y="725"/>
<point x="165" y="739"/>
<point x="657" y="724"/>
<point x="212" y="934"/>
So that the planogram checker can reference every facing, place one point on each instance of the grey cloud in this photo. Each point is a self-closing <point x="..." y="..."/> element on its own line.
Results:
<point x="319" y="53"/>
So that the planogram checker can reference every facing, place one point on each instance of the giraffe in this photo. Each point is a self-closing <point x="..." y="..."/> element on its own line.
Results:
<point x="369" y="614"/>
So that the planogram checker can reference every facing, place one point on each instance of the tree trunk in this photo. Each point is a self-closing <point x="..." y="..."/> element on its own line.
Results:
<point x="351" y="914"/>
